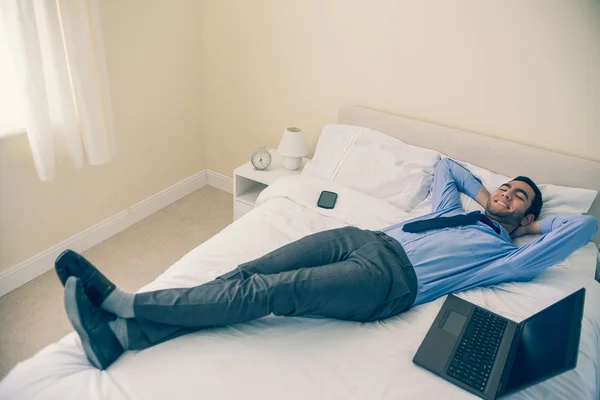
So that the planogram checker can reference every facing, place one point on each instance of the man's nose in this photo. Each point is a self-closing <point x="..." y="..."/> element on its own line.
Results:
<point x="506" y="194"/>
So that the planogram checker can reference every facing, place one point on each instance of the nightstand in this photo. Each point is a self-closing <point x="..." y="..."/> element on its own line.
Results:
<point x="248" y="182"/>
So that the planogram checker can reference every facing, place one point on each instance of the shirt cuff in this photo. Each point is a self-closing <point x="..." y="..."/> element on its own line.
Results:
<point x="546" y="225"/>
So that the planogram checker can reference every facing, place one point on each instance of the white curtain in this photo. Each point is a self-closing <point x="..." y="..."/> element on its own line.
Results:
<point x="59" y="59"/>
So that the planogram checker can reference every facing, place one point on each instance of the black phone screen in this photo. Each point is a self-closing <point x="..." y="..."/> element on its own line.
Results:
<point x="327" y="199"/>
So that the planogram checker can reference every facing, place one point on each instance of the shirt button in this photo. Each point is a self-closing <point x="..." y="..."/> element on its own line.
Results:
<point x="389" y="239"/>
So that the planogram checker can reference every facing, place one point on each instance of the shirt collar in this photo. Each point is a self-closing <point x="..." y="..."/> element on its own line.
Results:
<point x="503" y="232"/>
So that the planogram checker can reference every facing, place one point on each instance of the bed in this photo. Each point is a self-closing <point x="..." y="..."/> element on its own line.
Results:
<point x="310" y="358"/>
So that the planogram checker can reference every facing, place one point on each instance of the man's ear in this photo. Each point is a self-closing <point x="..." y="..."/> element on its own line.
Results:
<point x="526" y="220"/>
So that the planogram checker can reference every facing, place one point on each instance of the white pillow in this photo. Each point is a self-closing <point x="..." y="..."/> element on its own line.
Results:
<point x="565" y="200"/>
<point x="374" y="163"/>
<point x="557" y="199"/>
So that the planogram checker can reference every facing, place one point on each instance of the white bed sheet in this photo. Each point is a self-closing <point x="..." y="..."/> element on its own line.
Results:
<point x="300" y="358"/>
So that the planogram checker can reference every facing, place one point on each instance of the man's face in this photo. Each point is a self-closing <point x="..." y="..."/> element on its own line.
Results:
<point x="509" y="203"/>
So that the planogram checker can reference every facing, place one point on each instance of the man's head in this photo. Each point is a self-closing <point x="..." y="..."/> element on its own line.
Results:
<point x="515" y="203"/>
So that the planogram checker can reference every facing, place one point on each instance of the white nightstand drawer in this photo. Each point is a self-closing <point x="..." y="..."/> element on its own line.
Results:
<point x="241" y="209"/>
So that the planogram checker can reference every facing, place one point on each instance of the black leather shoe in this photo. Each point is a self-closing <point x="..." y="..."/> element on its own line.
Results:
<point x="97" y="287"/>
<point x="99" y="342"/>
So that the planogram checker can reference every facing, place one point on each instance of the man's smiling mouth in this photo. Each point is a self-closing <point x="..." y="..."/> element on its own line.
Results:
<point x="499" y="202"/>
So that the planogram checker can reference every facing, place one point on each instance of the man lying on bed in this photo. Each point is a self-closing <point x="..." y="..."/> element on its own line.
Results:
<point x="346" y="273"/>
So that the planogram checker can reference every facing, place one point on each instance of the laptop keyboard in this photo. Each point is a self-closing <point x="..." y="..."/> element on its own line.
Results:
<point x="476" y="353"/>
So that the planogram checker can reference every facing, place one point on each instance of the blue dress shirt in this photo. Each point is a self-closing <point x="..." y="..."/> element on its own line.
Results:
<point x="454" y="259"/>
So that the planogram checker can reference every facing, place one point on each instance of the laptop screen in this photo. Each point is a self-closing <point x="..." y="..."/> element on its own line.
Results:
<point x="549" y="343"/>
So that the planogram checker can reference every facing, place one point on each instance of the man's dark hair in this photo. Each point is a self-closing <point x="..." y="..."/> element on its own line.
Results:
<point x="536" y="204"/>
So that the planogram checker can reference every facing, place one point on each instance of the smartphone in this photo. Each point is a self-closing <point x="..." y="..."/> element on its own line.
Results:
<point x="327" y="199"/>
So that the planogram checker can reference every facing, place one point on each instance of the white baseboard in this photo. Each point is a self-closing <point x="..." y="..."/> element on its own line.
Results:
<point x="43" y="262"/>
<point x="219" y="181"/>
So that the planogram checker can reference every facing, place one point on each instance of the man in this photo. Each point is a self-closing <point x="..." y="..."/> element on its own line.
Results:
<point x="345" y="273"/>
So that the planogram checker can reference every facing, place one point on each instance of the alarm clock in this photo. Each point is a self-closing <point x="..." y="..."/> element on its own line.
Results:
<point x="261" y="159"/>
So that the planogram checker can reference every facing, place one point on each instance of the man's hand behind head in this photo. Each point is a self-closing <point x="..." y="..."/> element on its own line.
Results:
<point x="532" y="227"/>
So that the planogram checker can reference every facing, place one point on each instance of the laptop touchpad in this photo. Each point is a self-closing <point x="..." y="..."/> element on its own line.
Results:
<point x="453" y="322"/>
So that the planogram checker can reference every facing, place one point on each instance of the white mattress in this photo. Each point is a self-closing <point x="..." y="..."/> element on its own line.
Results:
<point x="302" y="358"/>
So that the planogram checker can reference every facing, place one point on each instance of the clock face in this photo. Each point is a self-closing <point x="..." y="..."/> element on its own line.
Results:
<point x="261" y="159"/>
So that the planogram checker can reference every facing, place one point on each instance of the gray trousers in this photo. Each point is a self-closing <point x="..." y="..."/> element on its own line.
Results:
<point x="347" y="273"/>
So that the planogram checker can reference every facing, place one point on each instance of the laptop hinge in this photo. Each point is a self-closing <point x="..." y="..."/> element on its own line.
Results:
<point x="510" y="360"/>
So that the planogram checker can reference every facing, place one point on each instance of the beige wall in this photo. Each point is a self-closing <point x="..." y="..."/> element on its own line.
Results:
<point x="525" y="71"/>
<point x="153" y="56"/>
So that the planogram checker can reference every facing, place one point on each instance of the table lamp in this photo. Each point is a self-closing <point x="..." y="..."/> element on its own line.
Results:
<point x="293" y="147"/>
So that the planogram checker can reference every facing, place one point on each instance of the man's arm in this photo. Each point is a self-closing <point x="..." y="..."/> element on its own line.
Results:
<point x="563" y="235"/>
<point x="451" y="178"/>
<point x="482" y="196"/>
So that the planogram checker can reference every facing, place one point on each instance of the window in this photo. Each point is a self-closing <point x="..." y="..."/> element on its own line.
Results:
<point x="11" y="109"/>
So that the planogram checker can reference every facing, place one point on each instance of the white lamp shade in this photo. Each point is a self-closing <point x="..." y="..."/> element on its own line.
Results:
<point x="293" y="143"/>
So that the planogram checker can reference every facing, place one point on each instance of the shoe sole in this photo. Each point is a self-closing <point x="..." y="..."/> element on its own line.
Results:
<point x="74" y="316"/>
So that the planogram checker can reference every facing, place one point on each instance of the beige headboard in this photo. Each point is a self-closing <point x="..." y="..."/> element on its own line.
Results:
<point x="497" y="155"/>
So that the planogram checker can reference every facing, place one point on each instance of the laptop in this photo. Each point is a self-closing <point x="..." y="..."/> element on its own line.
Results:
<point x="491" y="356"/>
